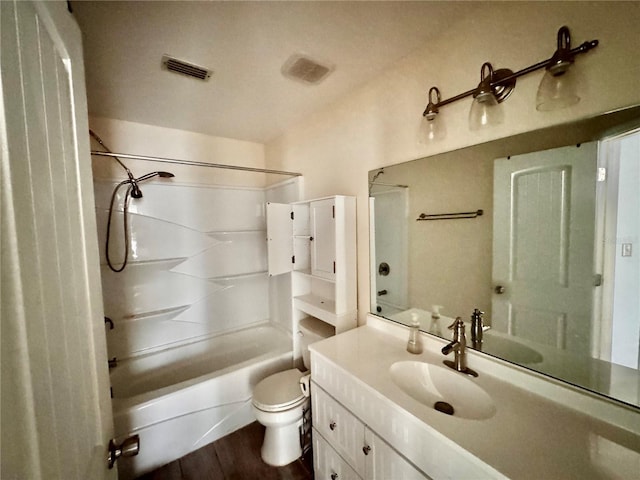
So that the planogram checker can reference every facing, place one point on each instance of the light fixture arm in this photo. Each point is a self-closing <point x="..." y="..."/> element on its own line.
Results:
<point x="585" y="47"/>
<point x="561" y="59"/>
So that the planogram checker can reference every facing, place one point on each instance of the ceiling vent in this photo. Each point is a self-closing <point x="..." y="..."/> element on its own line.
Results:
<point x="179" y="66"/>
<point x="305" y="69"/>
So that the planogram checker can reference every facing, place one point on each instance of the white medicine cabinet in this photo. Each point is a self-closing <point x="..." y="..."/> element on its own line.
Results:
<point x="315" y="241"/>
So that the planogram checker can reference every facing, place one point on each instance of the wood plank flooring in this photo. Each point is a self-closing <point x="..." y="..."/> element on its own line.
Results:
<point x="234" y="457"/>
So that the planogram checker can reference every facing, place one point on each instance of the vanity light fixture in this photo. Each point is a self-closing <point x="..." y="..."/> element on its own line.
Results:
<point x="431" y="130"/>
<point x="486" y="98"/>
<point x="557" y="89"/>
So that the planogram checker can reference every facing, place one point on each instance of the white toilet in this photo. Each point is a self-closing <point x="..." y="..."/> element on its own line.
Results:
<point x="279" y="402"/>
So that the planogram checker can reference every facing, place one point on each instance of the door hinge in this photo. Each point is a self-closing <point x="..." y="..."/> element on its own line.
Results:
<point x="597" y="280"/>
<point x="293" y="259"/>
<point x="334" y="267"/>
<point x="602" y="174"/>
<point x="292" y="215"/>
<point x="333" y="211"/>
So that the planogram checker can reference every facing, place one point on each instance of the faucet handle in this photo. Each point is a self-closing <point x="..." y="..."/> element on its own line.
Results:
<point x="456" y="323"/>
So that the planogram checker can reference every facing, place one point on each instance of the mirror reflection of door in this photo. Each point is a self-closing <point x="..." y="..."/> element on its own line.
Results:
<point x="390" y="210"/>
<point x="619" y="339"/>
<point x="543" y="246"/>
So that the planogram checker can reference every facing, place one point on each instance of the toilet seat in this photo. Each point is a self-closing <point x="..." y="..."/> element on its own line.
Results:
<point x="279" y="392"/>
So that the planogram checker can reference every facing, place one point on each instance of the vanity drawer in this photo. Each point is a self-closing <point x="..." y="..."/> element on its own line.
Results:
<point x="327" y="464"/>
<point x="343" y="431"/>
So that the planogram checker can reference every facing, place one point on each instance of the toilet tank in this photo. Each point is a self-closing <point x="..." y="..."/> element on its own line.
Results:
<point x="312" y="330"/>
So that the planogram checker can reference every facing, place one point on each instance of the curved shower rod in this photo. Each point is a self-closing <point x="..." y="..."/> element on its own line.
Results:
<point x="194" y="163"/>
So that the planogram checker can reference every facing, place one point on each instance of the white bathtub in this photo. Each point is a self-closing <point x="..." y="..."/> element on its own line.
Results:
<point x="181" y="399"/>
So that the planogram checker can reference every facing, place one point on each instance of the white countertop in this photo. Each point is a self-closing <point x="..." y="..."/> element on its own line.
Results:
<point x="530" y="436"/>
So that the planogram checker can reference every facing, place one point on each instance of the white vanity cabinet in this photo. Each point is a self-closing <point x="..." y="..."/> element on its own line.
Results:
<point x="315" y="240"/>
<point x="345" y="448"/>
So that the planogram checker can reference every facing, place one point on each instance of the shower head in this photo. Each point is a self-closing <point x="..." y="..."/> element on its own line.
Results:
<point x="147" y="176"/>
<point x="135" y="190"/>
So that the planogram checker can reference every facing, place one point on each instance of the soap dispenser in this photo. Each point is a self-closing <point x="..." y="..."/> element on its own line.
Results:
<point x="414" y="345"/>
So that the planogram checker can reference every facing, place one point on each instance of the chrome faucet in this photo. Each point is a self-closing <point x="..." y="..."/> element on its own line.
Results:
<point x="458" y="345"/>
<point x="477" y="328"/>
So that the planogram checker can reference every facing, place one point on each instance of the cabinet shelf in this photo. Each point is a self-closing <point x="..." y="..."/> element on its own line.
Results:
<point x="319" y="307"/>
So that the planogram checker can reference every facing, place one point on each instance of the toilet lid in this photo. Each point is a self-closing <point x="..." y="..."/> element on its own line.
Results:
<point x="278" y="391"/>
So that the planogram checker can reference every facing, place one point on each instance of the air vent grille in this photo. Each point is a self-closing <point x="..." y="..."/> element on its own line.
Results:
<point x="304" y="69"/>
<point x="179" y="66"/>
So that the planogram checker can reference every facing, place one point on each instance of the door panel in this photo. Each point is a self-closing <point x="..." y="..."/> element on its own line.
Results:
<point x="323" y="245"/>
<point x="56" y="412"/>
<point x="543" y="251"/>
<point x="383" y="462"/>
<point x="279" y="240"/>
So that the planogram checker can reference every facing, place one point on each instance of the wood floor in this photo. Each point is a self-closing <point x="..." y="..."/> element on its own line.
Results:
<point x="234" y="457"/>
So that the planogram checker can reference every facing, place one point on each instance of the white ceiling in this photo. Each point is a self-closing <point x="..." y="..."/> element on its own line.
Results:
<point x="246" y="44"/>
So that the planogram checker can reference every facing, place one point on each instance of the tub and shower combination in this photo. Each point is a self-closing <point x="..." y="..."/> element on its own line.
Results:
<point x="197" y="321"/>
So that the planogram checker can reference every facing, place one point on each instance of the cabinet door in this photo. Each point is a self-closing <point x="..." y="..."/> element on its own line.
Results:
<point x="327" y="464"/>
<point x="383" y="462"/>
<point x="323" y="246"/>
<point x="279" y="238"/>
<point x="339" y="427"/>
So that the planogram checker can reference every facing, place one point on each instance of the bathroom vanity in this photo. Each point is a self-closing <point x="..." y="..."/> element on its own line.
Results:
<point x="371" y="421"/>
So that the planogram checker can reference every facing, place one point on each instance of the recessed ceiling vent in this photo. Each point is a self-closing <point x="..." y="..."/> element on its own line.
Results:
<point x="305" y="69"/>
<point x="179" y="66"/>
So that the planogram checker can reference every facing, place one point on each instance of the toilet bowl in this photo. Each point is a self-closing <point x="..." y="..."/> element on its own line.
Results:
<point x="279" y="402"/>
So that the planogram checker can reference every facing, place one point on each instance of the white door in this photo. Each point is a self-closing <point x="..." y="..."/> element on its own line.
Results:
<point x="56" y="411"/>
<point x="323" y="245"/>
<point x="279" y="238"/>
<point x="543" y="246"/>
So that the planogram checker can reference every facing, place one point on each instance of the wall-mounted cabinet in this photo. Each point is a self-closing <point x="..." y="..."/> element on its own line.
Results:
<point x="315" y="241"/>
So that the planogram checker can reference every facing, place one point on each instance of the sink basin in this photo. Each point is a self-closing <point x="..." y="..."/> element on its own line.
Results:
<point x="443" y="389"/>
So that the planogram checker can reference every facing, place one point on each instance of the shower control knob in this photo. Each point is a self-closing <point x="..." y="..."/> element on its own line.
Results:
<point x="334" y="476"/>
<point x="366" y="449"/>
<point x="332" y="425"/>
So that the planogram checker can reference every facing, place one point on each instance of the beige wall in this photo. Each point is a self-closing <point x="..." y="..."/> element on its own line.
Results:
<point x="449" y="253"/>
<point x="147" y="140"/>
<point x="377" y="124"/>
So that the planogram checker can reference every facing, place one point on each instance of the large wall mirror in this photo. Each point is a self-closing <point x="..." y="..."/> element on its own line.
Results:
<point x="540" y="231"/>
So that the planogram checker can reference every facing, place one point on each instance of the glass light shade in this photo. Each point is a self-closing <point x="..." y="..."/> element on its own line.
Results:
<point x="556" y="92"/>
<point x="485" y="111"/>
<point x="431" y="130"/>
